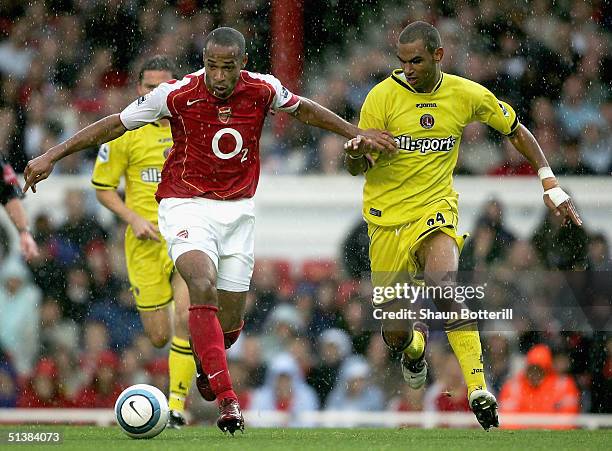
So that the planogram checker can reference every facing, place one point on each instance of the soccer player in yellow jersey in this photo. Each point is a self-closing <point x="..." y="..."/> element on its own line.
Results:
<point x="139" y="156"/>
<point x="409" y="201"/>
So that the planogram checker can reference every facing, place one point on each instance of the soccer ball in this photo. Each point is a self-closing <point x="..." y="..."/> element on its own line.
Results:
<point x="142" y="411"/>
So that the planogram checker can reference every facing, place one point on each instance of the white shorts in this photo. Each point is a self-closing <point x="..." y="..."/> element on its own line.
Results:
<point x="224" y="230"/>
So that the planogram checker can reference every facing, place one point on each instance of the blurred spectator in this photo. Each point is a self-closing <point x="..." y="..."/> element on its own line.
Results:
<point x="595" y="149"/>
<point x="43" y="388"/>
<point x="498" y="359"/>
<point x="132" y="371"/>
<point x="490" y="241"/>
<point x="251" y="357"/>
<point x="355" y="390"/>
<point x="560" y="246"/>
<point x="157" y="372"/>
<point x="574" y="112"/>
<point x="76" y="298"/>
<point x="331" y="154"/>
<point x="79" y="229"/>
<point x="56" y="331"/>
<point x="8" y="382"/>
<point x="282" y="326"/>
<point x="355" y="251"/>
<point x="599" y="253"/>
<point x="354" y="321"/>
<point x="240" y="382"/>
<point x="15" y="53"/>
<point x="285" y="391"/>
<point x="104" y="388"/>
<point x="572" y="162"/>
<point x="447" y="393"/>
<point x="19" y="315"/>
<point x="119" y="316"/>
<point x="326" y="310"/>
<point x="334" y="347"/>
<point x="539" y="389"/>
<point x="95" y="343"/>
<point x="513" y="163"/>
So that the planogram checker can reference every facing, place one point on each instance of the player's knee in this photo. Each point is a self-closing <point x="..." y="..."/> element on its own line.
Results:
<point x="202" y="291"/>
<point x="397" y="341"/>
<point x="159" y="338"/>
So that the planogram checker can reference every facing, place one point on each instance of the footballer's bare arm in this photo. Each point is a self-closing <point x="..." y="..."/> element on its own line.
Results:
<point x="554" y="197"/>
<point x="311" y="113"/>
<point x="526" y="144"/>
<point x="99" y="132"/>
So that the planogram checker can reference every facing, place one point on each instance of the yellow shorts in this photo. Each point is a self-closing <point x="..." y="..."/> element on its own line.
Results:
<point x="393" y="249"/>
<point x="149" y="269"/>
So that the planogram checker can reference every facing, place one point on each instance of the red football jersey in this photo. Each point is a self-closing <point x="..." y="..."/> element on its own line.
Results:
<point x="216" y="141"/>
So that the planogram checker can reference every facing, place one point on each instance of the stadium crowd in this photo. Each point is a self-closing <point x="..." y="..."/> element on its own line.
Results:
<point x="550" y="60"/>
<point x="69" y="333"/>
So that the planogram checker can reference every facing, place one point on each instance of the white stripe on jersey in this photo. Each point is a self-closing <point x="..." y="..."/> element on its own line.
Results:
<point x="153" y="106"/>
<point x="282" y="96"/>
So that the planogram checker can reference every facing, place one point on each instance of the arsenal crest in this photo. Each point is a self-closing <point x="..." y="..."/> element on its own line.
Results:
<point x="224" y="114"/>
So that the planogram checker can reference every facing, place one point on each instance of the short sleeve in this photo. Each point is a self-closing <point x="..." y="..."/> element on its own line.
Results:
<point x="496" y="113"/>
<point x="148" y="108"/>
<point x="283" y="100"/>
<point x="371" y="115"/>
<point x="111" y="164"/>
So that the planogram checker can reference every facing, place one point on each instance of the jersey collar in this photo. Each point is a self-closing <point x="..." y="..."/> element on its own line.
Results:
<point x="399" y="77"/>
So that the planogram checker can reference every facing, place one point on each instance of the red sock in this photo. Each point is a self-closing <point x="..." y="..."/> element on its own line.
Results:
<point x="231" y="336"/>
<point x="207" y="339"/>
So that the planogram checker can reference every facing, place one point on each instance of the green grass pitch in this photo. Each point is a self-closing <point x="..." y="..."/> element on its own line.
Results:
<point x="208" y="438"/>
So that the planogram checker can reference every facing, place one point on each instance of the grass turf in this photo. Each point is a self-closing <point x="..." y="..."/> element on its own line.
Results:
<point x="207" y="438"/>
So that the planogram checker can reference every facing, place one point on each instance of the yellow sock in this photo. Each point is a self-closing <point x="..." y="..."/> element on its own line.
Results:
<point x="182" y="371"/>
<point x="417" y="345"/>
<point x="466" y="346"/>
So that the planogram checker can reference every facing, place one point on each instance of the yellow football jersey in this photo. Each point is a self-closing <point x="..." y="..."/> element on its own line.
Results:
<point x="427" y="128"/>
<point x="138" y="155"/>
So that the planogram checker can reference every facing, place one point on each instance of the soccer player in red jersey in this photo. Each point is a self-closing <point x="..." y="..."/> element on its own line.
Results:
<point x="206" y="211"/>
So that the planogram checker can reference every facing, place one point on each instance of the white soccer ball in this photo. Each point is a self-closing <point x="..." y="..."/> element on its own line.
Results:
<point x="142" y="411"/>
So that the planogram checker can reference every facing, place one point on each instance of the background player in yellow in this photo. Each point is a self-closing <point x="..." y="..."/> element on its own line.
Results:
<point x="139" y="156"/>
<point x="409" y="201"/>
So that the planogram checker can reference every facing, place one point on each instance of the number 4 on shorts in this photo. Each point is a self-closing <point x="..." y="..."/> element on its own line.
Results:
<point x="439" y="218"/>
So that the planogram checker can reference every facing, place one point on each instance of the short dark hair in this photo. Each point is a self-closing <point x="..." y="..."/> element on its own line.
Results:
<point x="421" y="30"/>
<point x="227" y="37"/>
<point x="157" y="62"/>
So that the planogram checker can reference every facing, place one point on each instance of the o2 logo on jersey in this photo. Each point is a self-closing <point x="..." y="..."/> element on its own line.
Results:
<point x="427" y="121"/>
<point x="238" y="149"/>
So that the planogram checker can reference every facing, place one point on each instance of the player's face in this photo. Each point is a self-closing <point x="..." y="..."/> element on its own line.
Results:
<point x="223" y="65"/>
<point x="419" y="65"/>
<point x="152" y="78"/>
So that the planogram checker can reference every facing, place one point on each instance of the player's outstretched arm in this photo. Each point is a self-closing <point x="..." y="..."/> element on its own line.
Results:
<point x="143" y="229"/>
<point x="311" y="113"/>
<point x="104" y="130"/>
<point x="554" y="197"/>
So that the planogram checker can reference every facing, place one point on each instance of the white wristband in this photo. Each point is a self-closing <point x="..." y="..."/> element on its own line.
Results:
<point x="557" y="195"/>
<point x="545" y="173"/>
